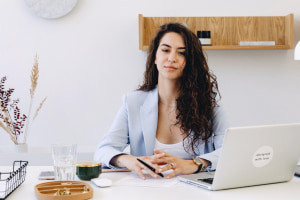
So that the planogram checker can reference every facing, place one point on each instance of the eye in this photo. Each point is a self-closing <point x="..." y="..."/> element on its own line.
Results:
<point x="165" y="50"/>
<point x="182" y="53"/>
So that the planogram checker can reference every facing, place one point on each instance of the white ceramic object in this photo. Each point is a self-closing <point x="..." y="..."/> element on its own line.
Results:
<point x="102" y="182"/>
<point x="51" y="9"/>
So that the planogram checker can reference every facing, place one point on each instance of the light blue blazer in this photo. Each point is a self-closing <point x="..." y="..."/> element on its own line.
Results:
<point x="136" y="123"/>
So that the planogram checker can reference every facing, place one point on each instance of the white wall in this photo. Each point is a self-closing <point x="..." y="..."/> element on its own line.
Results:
<point x="90" y="58"/>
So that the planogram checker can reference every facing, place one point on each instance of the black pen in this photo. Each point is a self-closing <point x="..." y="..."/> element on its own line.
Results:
<point x="149" y="167"/>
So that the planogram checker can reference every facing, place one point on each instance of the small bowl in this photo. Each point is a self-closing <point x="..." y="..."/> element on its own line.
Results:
<point x="87" y="170"/>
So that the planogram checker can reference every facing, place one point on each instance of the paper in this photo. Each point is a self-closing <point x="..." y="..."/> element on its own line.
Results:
<point x="257" y="43"/>
<point x="2" y="188"/>
<point x="133" y="179"/>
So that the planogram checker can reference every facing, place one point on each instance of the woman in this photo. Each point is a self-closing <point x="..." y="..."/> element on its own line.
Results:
<point x="172" y="121"/>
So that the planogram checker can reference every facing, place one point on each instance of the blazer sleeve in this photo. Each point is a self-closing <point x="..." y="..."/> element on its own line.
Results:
<point x="117" y="138"/>
<point x="214" y="143"/>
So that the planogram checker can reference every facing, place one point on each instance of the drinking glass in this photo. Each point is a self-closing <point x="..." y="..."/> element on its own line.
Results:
<point x="64" y="159"/>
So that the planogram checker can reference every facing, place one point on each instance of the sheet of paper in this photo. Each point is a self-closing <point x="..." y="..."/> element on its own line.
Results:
<point x="2" y="188"/>
<point x="133" y="179"/>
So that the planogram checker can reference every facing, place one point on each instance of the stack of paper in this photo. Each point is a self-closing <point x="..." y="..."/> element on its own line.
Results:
<point x="2" y="189"/>
<point x="257" y="43"/>
<point x="134" y="180"/>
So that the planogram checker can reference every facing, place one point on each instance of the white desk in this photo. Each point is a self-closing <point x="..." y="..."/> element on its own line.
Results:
<point x="180" y="191"/>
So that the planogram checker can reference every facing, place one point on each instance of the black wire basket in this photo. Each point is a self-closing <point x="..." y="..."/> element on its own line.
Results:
<point x="10" y="181"/>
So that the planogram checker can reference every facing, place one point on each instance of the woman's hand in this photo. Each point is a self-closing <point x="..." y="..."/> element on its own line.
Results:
<point x="130" y="162"/>
<point x="178" y="165"/>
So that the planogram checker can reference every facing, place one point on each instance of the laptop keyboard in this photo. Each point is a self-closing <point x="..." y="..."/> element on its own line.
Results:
<point x="207" y="177"/>
<point x="207" y="180"/>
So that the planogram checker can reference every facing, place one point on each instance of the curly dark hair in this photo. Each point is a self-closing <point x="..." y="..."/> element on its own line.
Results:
<point x="198" y="86"/>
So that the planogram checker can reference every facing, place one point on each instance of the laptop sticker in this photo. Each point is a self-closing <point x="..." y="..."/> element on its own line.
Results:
<point x="262" y="156"/>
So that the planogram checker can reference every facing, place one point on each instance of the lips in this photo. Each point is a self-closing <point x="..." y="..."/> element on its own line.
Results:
<point x="170" y="67"/>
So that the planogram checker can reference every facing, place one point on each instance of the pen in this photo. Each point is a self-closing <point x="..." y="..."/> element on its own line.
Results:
<point x="149" y="167"/>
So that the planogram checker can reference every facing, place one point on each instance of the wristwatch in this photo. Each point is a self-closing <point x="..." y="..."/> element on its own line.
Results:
<point x="201" y="167"/>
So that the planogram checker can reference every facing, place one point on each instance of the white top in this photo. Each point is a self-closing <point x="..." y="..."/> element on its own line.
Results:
<point x="173" y="149"/>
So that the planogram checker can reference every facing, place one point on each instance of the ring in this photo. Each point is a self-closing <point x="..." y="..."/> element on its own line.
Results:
<point x="172" y="165"/>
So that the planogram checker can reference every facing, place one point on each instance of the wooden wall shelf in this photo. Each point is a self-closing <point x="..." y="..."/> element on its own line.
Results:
<point x="226" y="32"/>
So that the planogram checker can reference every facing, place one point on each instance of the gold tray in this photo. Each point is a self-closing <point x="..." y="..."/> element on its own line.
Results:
<point x="63" y="190"/>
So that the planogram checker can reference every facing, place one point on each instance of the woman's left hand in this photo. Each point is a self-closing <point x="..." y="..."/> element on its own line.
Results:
<point x="178" y="165"/>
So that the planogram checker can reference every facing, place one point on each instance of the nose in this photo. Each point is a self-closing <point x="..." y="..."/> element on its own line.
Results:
<point x="172" y="57"/>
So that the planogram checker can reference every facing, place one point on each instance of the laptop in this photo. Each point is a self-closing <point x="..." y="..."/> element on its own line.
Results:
<point x="252" y="156"/>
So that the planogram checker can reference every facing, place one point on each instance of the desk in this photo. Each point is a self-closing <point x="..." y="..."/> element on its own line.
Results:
<point x="180" y="191"/>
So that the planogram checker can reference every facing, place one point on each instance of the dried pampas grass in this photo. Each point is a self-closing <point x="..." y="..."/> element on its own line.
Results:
<point x="14" y="125"/>
<point x="39" y="108"/>
<point x="9" y="132"/>
<point x="34" y="76"/>
<point x="34" y="81"/>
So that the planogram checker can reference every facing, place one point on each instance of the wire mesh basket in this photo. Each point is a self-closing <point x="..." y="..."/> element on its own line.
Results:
<point x="10" y="181"/>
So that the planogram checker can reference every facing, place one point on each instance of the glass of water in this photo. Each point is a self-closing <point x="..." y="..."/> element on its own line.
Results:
<point x="64" y="159"/>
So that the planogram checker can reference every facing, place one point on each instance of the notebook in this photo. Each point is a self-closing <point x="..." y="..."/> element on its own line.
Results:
<point x="253" y="156"/>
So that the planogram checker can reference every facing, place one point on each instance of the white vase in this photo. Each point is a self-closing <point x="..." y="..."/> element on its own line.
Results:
<point x="21" y="148"/>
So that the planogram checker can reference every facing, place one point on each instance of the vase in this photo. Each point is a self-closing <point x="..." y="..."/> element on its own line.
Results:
<point x="21" y="148"/>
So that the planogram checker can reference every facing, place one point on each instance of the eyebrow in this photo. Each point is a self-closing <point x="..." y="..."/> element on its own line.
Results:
<point x="170" y="46"/>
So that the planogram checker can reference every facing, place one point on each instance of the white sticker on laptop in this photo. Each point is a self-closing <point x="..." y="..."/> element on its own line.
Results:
<point x="262" y="156"/>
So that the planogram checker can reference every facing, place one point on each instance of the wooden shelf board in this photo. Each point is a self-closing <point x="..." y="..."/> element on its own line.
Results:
<point x="231" y="47"/>
<point x="236" y="47"/>
<point x="228" y="30"/>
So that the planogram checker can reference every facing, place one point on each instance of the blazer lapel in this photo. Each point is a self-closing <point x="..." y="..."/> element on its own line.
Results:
<point x="149" y="116"/>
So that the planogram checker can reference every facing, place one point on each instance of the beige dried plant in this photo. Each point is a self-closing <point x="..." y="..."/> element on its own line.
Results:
<point x="34" y="76"/>
<point x="13" y="124"/>
<point x="34" y="81"/>
<point x="39" y="108"/>
<point x="6" y="127"/>
<point x="12" y="136"/>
